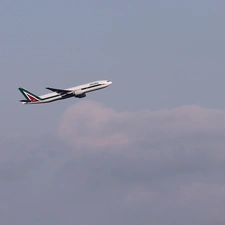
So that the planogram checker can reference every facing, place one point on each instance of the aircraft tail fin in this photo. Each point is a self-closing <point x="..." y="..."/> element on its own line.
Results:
<point x="30" y="97"/>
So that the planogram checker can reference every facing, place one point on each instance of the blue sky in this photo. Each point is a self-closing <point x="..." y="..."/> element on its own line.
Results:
<point x="160" y="55"/>
<point x="169" y="52"/>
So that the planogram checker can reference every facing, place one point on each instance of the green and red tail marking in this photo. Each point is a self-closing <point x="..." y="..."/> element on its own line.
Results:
<point x="29" y="96"/>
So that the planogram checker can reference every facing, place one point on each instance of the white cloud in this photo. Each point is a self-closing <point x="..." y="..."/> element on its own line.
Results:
<point x="87" y="124"/>
<point x="166" y="133"/>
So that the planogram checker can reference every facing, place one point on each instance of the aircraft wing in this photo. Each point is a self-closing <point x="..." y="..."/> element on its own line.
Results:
<point x="59" y="91"/>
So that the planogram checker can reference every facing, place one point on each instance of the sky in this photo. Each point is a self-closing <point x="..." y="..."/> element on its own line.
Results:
<point x="147" y="150"/>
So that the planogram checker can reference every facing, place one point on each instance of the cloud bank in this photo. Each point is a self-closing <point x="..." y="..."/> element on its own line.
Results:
<point x="165" y="133"/>
<point x="147" y="167"/>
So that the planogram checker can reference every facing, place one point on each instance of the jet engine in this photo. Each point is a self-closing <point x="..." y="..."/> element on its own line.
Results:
<point x="79" y="93"/>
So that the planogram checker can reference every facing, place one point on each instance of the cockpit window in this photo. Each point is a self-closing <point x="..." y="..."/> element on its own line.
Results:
<point x="108" y="80"/>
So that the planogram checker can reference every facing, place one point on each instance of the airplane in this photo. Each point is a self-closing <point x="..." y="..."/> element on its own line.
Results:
<point x="59" y="94"/>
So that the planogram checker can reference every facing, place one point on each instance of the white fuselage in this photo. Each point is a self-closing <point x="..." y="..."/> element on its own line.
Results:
<point x="80" y="90"/>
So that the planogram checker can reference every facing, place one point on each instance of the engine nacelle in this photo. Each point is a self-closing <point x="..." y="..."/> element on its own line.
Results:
<point x="79" y="93"/>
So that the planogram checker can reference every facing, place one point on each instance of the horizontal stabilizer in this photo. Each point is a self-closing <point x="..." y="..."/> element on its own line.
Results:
<point x="25" y="101"/>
